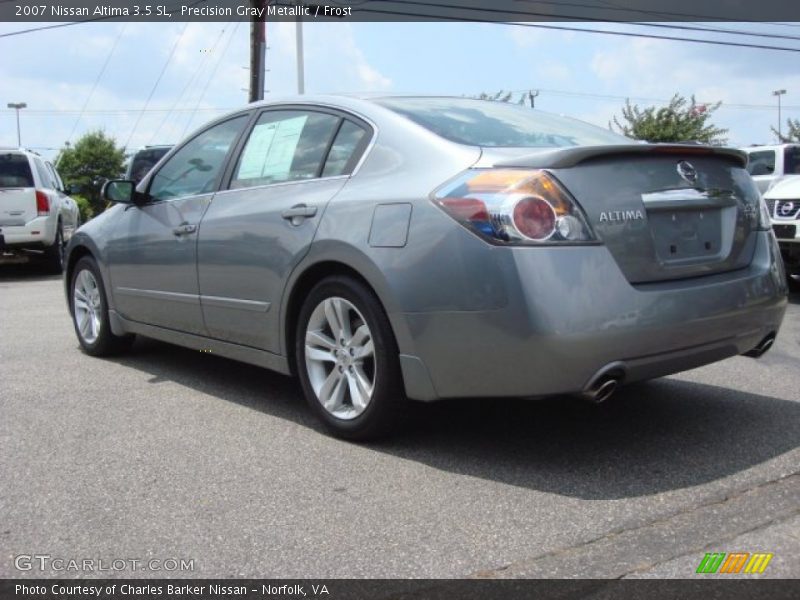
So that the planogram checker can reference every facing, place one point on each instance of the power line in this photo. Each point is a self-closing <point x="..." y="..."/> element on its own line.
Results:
<point x="179" y="99"/>
<point x="213" y="73"/>
<point x="97" y="80"/>
<point x="191" y="116"/>
<point x="576" y="29"/>
<point x="155" y="85"/>
<point x="613" y="7"/>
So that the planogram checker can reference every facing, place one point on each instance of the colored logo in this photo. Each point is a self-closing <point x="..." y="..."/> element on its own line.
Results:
<point x="734" y="562"/>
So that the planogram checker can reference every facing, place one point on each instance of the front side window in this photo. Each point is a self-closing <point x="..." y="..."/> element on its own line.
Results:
<point x="761" y="163"/>
<point x="194" y="169"/>
<point x="285" y="145"/>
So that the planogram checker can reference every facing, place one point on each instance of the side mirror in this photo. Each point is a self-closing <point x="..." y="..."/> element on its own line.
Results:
<point x="70" y="189"/>
<point x="120" y="191"/>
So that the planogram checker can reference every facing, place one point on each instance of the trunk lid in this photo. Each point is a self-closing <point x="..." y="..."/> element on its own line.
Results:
<point x="663" y="211"/>
<point x="17" y="193"/>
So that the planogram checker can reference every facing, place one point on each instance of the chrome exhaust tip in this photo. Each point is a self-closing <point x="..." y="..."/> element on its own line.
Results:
<point x="762" y="347"/>
<point x="601" y="390"/>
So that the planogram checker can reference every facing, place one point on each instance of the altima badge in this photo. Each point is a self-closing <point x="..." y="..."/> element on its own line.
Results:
<point x="687" y="171"/>
<point x="621" y="215"/>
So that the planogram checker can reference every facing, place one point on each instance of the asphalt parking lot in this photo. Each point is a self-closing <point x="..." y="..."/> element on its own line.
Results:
<point x="168" y="453"/>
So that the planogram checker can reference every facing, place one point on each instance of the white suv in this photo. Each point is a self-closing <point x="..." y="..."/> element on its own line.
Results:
<point x="783" y="202"/>
<point x="37" y="217"/>
<point x="769" y="164"/>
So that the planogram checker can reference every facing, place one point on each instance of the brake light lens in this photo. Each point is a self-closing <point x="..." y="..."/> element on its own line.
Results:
<point x="42" y="203"/>
<point x="514" y="206"/>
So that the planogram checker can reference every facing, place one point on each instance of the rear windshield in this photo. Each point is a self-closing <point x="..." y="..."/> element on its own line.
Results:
<point x="498" y="124"/>
<point x="15" y="171"/>
<point x="144" y="160"/>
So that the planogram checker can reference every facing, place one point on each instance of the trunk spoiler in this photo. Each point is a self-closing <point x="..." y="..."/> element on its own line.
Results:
<point x="560" y="158"/>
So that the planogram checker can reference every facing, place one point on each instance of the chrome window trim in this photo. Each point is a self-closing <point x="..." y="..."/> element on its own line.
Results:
<point x="282" y="183"/>
<point x="346" y="111"/>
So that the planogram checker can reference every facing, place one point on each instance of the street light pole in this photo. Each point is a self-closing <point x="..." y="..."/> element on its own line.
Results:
<point x="779" y="93"/>
<point x="17" y="106"/>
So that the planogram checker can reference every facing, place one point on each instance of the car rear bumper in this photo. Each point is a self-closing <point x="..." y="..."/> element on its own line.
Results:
<point x="570" y="314"/>
<point x="35" y="234"/>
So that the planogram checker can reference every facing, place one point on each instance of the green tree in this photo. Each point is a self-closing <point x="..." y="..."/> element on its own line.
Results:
<point x="682" y="120"/>
<point x="93" y="159"/>
<point x="793" y="134"/>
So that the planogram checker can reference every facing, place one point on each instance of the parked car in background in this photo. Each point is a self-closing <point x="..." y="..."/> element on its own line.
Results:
<point x="783" y="202"/>
<point x="37" y="216"/>
<point x="390" y="248"/>
<point x="769" y="164"/>
<point x="144" y="160"/>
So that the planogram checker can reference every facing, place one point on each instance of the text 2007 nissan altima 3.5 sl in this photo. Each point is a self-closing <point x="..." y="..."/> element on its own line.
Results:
<point x="385" y="249"/>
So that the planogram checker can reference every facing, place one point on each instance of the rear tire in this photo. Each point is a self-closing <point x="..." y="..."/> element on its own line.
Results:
<point x="89" y="308"/>
<point x="54" y="255"/>
<point x="347" y="360"/>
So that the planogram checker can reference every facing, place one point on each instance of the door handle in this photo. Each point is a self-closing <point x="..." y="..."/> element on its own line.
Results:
<point x="298" y="212"/>
<point x="184" y="229"/>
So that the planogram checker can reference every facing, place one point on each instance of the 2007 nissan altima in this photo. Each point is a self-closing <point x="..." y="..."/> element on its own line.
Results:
<point x="393" y="248"/>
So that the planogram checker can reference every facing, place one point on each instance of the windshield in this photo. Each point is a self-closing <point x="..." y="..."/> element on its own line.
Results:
<point x="498" y="124"/>
<point x="15" y="171"/>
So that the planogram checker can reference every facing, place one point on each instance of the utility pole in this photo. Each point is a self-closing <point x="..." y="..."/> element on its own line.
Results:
<point x="301" y="77"/>
<point x="779" y="93"/>
<point x="18" y="106"/>
<point x="258" y="49"/>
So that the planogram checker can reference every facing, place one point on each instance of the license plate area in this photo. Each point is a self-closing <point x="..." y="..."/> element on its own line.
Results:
<point x="687" y="236"/>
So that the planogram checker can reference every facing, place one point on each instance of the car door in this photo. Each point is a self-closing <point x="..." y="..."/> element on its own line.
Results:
<point x="67" y="207"/>
<point x="152" y="255"/>
<point x="258" y="229"/>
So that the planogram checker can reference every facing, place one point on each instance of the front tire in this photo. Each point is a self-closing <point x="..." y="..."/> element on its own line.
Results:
<point x="89" y="309"/>
<point x="347" y="360"/>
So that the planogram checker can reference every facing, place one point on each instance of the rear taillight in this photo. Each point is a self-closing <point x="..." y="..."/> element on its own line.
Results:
<point x="514" y="206"/>
<point x="42" y="203"/>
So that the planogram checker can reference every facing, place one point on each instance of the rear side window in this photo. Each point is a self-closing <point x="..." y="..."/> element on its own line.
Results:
<point x="498" y="124"/>
<point x="791" y="160"/>
<point x="44" y="174"/>
<point x="15" y="171"/>
<point x="346" y="150"/>
<point x="761" y="163"/>
<point x="54" y="175"/>
<point x="285" y="145"/>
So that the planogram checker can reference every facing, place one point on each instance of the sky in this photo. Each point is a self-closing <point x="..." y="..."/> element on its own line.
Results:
<point x="104" y="75"/>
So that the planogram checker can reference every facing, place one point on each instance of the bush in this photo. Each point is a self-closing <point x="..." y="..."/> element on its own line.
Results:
<point x="85" y="208"/>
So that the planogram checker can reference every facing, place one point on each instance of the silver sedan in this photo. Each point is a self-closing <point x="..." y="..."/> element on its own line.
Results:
<point x="392" y="248"/>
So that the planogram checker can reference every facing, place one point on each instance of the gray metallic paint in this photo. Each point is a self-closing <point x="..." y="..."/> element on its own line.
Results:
<point x="470" y="318"/>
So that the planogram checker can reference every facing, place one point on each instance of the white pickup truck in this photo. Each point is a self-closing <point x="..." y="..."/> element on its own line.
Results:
<point x="37" y="216"/>
<point x="783" y="202"/>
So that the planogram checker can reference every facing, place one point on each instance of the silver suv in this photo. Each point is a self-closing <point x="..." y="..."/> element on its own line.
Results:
<point x="37" y="216"/>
